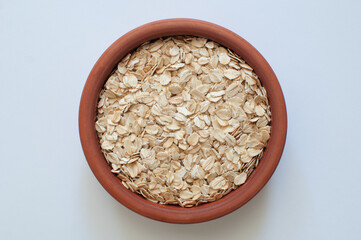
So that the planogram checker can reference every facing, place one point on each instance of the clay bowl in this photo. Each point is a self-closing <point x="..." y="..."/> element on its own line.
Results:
<point x="168" y="213"/>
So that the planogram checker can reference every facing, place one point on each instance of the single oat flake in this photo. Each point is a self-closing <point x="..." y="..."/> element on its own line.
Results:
<point x="183" y="121"/>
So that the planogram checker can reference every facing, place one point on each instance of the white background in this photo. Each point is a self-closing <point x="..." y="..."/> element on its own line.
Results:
<point x="47" y="49"/>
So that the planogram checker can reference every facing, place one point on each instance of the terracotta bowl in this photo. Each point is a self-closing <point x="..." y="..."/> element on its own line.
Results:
<point x="169" y="213"/>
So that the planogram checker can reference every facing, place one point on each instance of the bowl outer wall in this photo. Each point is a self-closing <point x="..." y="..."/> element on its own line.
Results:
<point x="169" y="213"/>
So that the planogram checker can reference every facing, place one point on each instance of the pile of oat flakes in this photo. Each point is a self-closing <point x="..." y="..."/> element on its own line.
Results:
<point x="182" y="120"/>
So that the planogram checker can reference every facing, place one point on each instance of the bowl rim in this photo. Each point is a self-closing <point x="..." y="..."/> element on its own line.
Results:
<point x="169" y="213"/>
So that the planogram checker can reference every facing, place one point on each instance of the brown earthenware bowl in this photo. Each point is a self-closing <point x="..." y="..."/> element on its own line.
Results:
<point x="169" y="213"/>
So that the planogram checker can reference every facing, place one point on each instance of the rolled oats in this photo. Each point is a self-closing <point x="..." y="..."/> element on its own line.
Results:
<point x="183" y="120"/>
